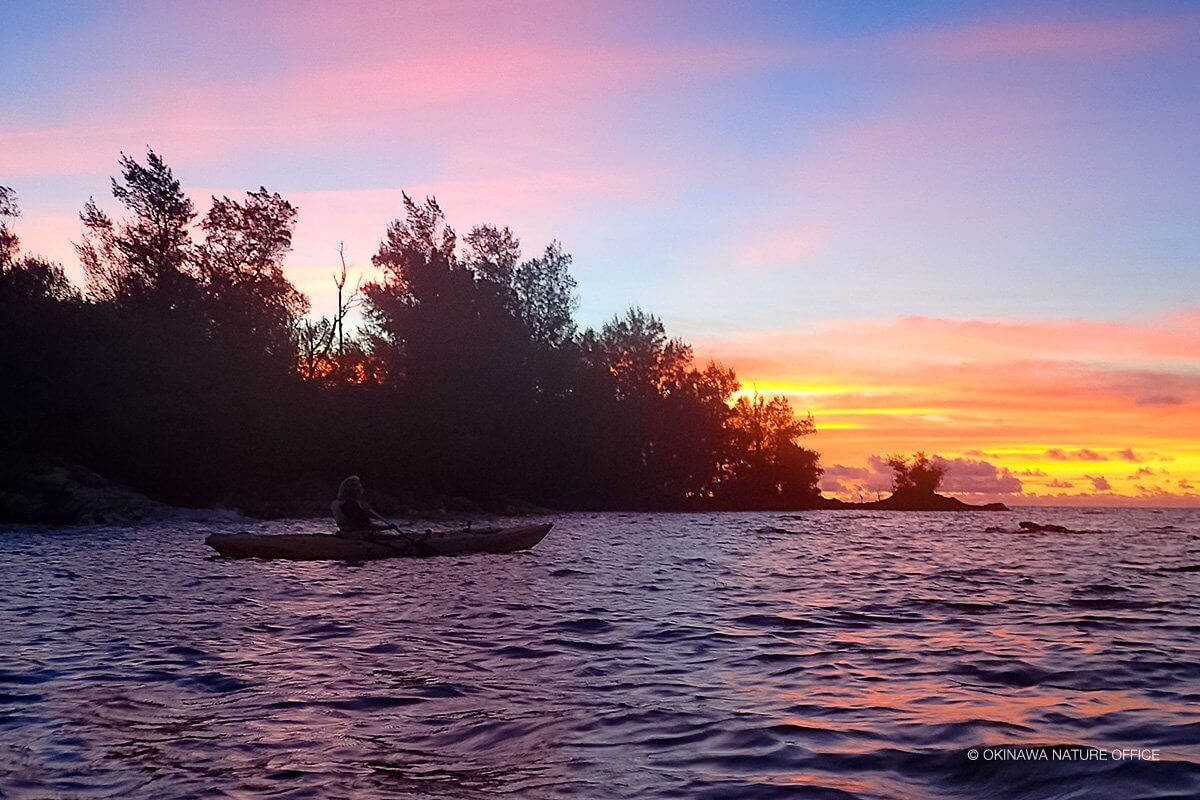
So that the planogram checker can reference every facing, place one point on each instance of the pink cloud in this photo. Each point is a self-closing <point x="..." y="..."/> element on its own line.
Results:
<point x="461" y="98"/>
<point x="858" y="482"/>
<point x="917" y="340"/>
<point x="787" y="246"/>
<point x="978" y="477"/>
<point x="964" y="476"/>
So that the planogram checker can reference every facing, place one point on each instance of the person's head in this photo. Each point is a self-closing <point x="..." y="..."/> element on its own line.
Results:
<point x="351" y="489"/>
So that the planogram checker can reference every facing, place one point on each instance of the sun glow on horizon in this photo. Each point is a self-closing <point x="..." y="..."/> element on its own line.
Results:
<point x="1020" y="423"/>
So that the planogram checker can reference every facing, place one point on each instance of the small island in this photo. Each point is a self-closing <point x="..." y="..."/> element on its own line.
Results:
<point x="915" y="487"/>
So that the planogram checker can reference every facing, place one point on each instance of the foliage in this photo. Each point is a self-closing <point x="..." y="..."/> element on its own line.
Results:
<point x="8" y="240"/>
<point x="191" y="371"/>
<point x="26" y="279"/>
<point x="920" y="474"/>
<point x="770" y="465"/>
<point x="545" y="292"/>
<point x="148" y="258"/>
<point x="492" y="254"/>
<point x="240" y="267"/>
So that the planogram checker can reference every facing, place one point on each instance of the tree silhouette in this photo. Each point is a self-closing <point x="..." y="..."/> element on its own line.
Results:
<point x="769" y="466"/>
<point x="8" y="240"/>
<point x="148" y="257"/>
<point x="918" y="475"/>
<point x="191" y="370"/>
<point x="325" y="354"/>
<point x="422" y="230"/>
<point x="24" y="279"/>
<point x="641" y="358"/>
<point x="240" y="269"/>
<point x="545" y="293"/>
<point x="493" y="254"/>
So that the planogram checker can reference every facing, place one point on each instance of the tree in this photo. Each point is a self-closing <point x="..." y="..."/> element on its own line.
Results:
<point x="769" y="467"/>
<point x="422" y="230"/>
<point x="240" y="268"/>
<point x="435" y="313"/>
<point x="492" y="254"/>
<point x="921" y="475"/>
<point x="324" y="353"/>
<point x="636" y="351"/>
<point x="197" y="375"/>
<point x="764" y="427"/>
<point x="28" y="278"/>
<point x="9" y="242"/>
<point x="545" y="292"/>
<point x="148" y="257"/>
<point x="32" y="278"/>
<point x="456" y="356"/>
<point x="665" y="427"/>
<point x="417" y="258"/>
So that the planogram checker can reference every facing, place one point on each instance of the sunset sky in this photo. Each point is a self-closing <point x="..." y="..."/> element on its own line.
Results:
<point x="967" y="228"/>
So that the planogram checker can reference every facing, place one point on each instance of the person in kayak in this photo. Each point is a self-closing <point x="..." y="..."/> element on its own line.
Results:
<point x="354" y="516"/>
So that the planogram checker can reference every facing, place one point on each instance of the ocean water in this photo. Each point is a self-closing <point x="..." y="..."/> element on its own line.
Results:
<point x="825" y="655"/>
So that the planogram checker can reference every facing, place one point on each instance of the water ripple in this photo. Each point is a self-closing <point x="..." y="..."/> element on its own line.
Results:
<point x="823" y="655"/>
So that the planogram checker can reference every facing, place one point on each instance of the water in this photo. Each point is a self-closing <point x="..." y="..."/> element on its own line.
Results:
<point x="830" y="655"/>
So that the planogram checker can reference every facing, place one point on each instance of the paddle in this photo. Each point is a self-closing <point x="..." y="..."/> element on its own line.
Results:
<point x="404" y="542"/>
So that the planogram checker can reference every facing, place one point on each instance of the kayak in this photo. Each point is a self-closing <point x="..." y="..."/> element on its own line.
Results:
<point x="326" y="547"/>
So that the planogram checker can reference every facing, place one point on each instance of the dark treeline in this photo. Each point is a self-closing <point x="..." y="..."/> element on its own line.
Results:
<point x="189" y="368"/>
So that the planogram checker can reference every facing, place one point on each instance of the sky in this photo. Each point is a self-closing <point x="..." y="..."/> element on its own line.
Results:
<point x="966" y="228"/>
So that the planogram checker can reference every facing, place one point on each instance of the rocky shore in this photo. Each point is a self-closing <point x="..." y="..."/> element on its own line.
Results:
<point x="48" y="492"/>
<point x="51" y="493"/>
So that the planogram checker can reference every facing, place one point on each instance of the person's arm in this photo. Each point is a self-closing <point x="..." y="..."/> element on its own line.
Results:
<point x="377" y="516"/>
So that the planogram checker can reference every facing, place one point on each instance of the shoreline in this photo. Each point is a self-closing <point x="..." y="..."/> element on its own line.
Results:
<point x="58" y="493"/>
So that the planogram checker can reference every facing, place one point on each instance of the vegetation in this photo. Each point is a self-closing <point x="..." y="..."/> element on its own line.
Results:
<point x="916" y="475"/>
<point x="190" y="370"/>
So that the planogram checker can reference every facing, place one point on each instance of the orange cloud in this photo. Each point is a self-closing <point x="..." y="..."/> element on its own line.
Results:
<point x="1044" y="399"/>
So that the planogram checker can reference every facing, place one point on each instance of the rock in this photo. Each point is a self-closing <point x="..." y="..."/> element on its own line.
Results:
<point x="1034" y="526"/>
<point x="919" y="501"/>
<point x="68" y="494"/>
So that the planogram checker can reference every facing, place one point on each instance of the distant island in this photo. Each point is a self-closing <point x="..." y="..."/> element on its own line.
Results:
<point x="189" y="370"/>
<point x="915" y="485"/>
<point x="910" y="501"/>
